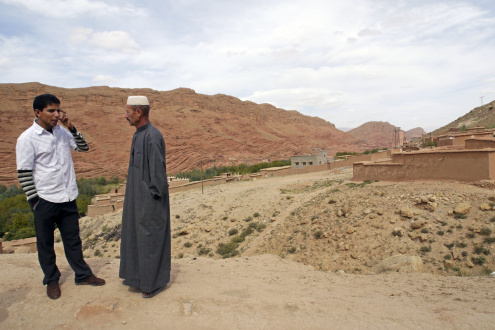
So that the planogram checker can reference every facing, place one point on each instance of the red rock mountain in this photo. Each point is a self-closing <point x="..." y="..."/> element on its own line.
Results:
<point x="214" y="129"/>
<point x="414" y="133"/>
<point x="379" y="134"/>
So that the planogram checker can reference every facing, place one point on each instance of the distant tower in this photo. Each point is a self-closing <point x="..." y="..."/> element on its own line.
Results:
<point x="481" y="97"/>
<point x="398" y="137"/>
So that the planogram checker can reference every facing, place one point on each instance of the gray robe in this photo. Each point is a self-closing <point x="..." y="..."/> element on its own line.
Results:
<point x="145" y="251"/>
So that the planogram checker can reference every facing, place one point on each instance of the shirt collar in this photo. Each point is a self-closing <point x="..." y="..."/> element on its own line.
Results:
<point x="38" y="129"/>
<point x="142" y="128"/>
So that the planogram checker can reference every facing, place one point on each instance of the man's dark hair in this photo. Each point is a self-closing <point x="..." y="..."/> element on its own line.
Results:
<point x="144" y="108"/>
<point x="42" y="101"/>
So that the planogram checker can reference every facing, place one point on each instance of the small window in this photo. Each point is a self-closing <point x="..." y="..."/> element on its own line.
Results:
<point x="310" y="163"/>
<point x="304" y="163"/>
<point x="297" y="163"/>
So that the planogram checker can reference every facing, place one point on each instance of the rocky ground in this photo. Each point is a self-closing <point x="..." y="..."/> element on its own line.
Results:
<point x="327" y="221"/>
<point x="309" y="251"/>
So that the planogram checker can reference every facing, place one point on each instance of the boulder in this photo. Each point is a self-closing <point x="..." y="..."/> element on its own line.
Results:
<point x="485" y="207"/>
<point x="413" y="235"/>
<point x="399" y="263"/>
<point x="462" y="208"/>
<point x="417" y="224"/>
<point x="407" y="213"/>
<point x="23" y="249"/>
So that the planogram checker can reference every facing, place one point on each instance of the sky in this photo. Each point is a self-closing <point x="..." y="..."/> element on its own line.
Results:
<point x="412" y="63"/>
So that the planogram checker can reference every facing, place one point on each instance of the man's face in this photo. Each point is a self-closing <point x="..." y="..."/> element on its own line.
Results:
<point x="132" y="116"/>
<point x="49" y="117"/>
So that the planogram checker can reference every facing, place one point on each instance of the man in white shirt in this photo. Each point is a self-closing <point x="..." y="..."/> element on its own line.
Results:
<point x="46" y="173"/>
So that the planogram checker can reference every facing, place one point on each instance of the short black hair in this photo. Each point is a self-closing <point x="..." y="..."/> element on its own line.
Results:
<point x="42" y="101"/>
<point x="145" y="109"/>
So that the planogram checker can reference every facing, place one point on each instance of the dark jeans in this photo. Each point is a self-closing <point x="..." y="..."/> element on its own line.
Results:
<point x="65" y="215"/>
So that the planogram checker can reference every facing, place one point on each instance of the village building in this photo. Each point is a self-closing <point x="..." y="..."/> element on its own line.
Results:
<point x="474" y="160"/>
<point x="456" y="137"/>
<point x="309" y="160"/>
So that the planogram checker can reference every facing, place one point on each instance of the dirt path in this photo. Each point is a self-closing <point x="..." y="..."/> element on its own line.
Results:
<point x="261" y="292"/>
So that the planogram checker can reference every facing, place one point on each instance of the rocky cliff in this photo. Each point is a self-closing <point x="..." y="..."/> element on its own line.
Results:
<point x="379" y="134"/>
<point x="216" y="129"/>
<point x="483" y="116"/>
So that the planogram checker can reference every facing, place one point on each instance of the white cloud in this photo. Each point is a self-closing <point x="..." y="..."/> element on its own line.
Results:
<point x="104" y="79"/>
<point x="346" y="61"/>
<point x="72" y="8"/>
<point x="79" y="35"/>
<point x="115" y="40"/>
<point x="368" y="33"/>
<point x="119" y="41"/>
<point x="299" y="98"/>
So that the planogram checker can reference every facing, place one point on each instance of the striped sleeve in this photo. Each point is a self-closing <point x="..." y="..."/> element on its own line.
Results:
<point x="27" y="184"/>
<point x="82" y="144"/>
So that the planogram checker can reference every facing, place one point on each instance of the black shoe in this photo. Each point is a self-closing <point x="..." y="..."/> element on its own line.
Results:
<point x="92" y="280"/>
<point x="53" y="290"/>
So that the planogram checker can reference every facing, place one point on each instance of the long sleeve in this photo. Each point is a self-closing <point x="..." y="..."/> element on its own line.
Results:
<point x="158" y="172"/>
<point x="82" y="144"/>
<point x="27" y="184"/>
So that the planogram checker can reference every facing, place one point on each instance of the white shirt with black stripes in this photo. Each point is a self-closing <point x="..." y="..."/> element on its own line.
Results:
<point x="48" y="156"/>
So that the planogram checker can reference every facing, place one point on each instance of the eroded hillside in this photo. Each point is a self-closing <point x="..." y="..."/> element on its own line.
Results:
<point x="216" y="129"/>
<point x="326" y="221"/>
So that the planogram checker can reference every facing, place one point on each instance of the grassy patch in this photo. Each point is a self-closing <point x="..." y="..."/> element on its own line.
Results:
<point x="318" y="234"/>
<point x="485" y="231"/>
<point x="425" y="249"/>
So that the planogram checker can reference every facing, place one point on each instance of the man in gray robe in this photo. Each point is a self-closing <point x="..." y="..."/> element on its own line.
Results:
<point x="145" y="251"/>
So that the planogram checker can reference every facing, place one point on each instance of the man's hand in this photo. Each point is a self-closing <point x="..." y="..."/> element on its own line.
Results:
<point x="64" y="118"/>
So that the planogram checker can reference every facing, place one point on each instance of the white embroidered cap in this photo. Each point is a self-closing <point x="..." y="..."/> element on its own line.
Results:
<point x="137" y="100"/>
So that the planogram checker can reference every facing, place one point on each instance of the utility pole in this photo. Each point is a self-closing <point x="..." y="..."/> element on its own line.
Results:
<point x="202" y="192"/>
<point x="481" y="97"/>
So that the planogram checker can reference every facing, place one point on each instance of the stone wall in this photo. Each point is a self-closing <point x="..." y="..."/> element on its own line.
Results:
<point x="480" y="143"/>
<point x="27" y="245"/>
<point x="460" y="165"/>
<point x="359" y="158"/>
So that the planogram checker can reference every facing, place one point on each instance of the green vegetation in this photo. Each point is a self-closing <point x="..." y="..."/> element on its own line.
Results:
<point x="425" y="249"/>
<point x="16" y="218"/>
<point x="195" y="174"/>
<point x="479" y="249"/>
<point x="478" y="260"/>
<point x="485" y="231"/>
<point x="204" y="250"/>
<point x="7" y="192"/>
<point x="358" y="185"/>
<point x="318" y="234"/>
<point x="489" y="240"/>
<point x="366" y="152"/>
<point x="429" y="143"/>
<point x="229" y="249"/>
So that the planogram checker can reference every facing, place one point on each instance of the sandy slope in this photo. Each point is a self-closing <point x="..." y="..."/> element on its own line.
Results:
<point x="261" y="292"/>
<point x="267" y="287"/>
